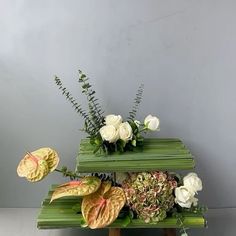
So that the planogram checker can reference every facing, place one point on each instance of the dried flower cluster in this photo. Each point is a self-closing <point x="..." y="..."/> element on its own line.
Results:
<point x="150" y="194"/>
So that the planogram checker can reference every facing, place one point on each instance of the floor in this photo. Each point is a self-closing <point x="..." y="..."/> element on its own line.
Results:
<point x="22" y="222"/>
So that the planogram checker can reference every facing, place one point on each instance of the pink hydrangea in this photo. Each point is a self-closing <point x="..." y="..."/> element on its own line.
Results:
<point x="150" y="194"/>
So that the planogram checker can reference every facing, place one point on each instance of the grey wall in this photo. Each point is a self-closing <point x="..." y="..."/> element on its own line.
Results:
<point x="184" y="51"/>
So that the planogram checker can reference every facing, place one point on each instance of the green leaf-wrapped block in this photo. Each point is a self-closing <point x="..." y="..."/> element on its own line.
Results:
<point x="61" y="214"/>
<point x="156" y="154"/>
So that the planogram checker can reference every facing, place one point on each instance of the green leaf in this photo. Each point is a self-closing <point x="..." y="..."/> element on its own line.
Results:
<point x="131" y="214"/>
<point x="77" y="208"/>
<point x="137" y="101"/>
<point x="125" y="221"/>
<point x="133" y="126"/>
<point x="94" y="118"/>
<point x="97" y="148"/>
<point x="82" y="76"/>
<point x="83" y="223"/>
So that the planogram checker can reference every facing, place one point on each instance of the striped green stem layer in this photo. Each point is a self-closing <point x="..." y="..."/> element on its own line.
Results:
<point x="59" y="214"/>
<point x="156" y="154"/>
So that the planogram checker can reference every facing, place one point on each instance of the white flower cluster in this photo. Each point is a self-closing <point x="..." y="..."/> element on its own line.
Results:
<point x="115" y="129"/>
<point x="185" y="195"/>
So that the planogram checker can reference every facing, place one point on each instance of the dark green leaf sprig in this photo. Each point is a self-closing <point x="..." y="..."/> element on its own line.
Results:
<point x="93" y="118"/>
<point x="137" y="101"/>
<point x="179" y="213"/>
<point x="95" y="111"/>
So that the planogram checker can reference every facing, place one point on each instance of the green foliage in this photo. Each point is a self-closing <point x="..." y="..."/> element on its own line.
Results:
<point x="93" y="118"/>
<point x="71" y="99"/>
<point x="178" y="213"/>
<point x="77" y="208"/>
<point x="137" y="137"/>
<point x="125" y="216"/>
<point x="94" y="109"/>
<point x="125" y="221"/>
<point x="197" y="209"/>
<point x="68" y="173"/>
<point x="180" y="222"/>
<point x="137" y="101"/>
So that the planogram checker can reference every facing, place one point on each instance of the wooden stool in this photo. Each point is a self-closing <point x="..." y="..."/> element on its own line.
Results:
<point x="116" y="232"/>
<point x="169" y="232"/>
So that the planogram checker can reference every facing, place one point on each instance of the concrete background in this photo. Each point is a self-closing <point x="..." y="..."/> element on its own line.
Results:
<point x="183" y="51"/>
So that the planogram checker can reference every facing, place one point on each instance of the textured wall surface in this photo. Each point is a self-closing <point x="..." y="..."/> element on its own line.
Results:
<point x="183" y="51"/>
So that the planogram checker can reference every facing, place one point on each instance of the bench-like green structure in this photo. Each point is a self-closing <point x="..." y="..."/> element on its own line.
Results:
<point x="59" y="214"/>
<point x="156" y="154"/>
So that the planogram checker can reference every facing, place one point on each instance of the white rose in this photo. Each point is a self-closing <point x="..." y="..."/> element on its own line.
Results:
<point x="125" y="131"/>
<point x="192" y="182"/>
<point x="152" y="122"/>
<point x="109" y="133"/>
<point x="113" y="120"/>
<point x="184" y="197"/>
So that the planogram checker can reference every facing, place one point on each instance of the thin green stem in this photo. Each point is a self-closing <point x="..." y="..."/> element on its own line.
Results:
<point x="143" y="129"/>
<point x="68" y="173"/>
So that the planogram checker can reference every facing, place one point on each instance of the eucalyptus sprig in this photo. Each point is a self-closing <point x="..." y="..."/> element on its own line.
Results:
<point x="94" y="109"/>
<point x="93" y="118"/>
<point x="68" y="173"/>
<point x="75" y="104"/>
<point x="137" y="101"/>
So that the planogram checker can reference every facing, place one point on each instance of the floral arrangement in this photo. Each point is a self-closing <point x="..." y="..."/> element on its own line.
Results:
<point x="149" y="196"/>
<point x="109" y="133"/>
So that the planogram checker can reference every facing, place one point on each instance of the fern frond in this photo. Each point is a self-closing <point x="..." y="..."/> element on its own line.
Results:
<point x="137" y="101"/>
